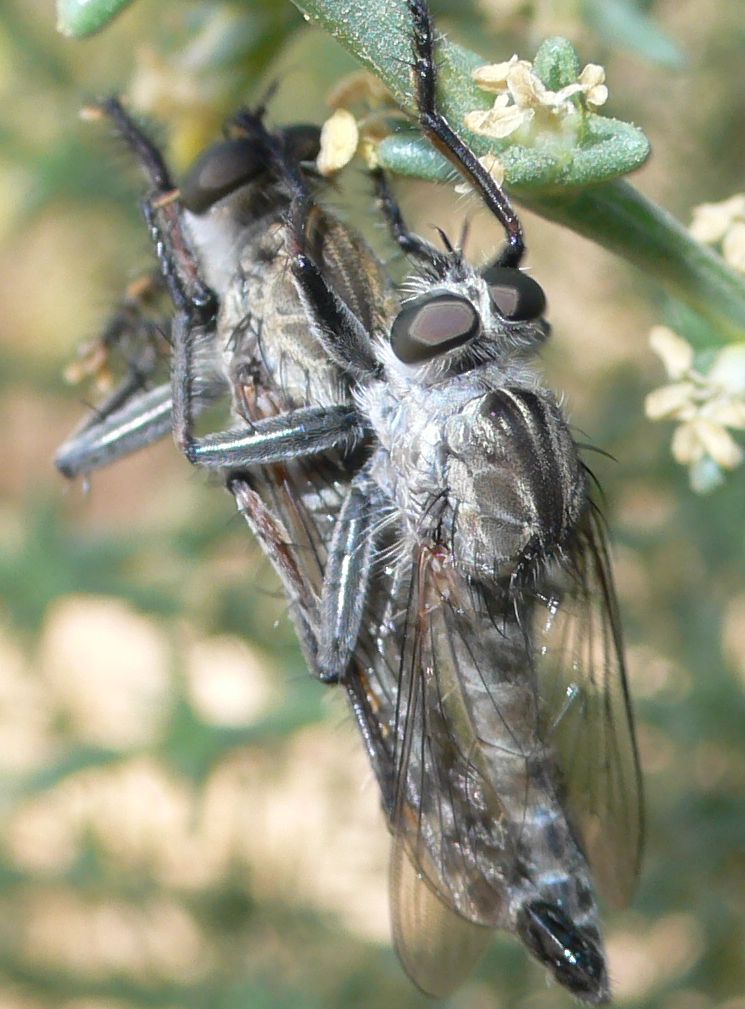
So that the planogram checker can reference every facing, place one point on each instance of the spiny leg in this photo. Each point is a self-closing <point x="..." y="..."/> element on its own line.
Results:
<point x="406" y="240"/>
<point x="163" y="215"/>
<point x="347" y="577"/>
<point x="341" y="333"/>
<point x="130" y="340"/>
<point x="307" y="431"/>
<point x="195" y="303"/>
<point x="436" y="127"/>
<point x="143" y="419"/>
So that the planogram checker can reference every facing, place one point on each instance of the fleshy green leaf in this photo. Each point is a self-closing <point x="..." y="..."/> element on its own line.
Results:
<point x="78" y="18"/>
<point x="603" y="148"/>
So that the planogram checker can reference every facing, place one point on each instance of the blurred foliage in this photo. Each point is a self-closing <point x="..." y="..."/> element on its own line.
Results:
<point x="185" y="817"/>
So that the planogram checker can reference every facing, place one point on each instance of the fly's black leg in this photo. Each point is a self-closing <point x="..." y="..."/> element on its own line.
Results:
<point x="347" y="577"/>
<point x="406" y="240"/>
<point x="307" y="431"/>
<point x="193" y="300"/>
<point x="145" y="418"/>
<point x="162" y="212"/>
<point x="342" y="335"/>
<point x="140" y="419"/>
<point x="436" y="127"/>
<point x="132" y="337"/>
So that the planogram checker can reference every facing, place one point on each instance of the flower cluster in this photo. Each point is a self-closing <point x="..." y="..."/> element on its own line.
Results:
<point x="343" y="135"/>
<point x="340" y="138"/>
<point x="521" y="95"/>
<point x="705" y="403"/>
<point x="723" y="224"/>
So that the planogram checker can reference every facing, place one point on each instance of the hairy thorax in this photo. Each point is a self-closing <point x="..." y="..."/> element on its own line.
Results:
<point x="490" y="471"/>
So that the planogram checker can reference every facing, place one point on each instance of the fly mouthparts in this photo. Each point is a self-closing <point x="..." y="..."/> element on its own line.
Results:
<point x="573" y="955"/>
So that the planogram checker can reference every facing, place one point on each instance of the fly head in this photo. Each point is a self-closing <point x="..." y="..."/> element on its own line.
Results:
<point x="228" y="166"/>
<point x="466" y="318"/>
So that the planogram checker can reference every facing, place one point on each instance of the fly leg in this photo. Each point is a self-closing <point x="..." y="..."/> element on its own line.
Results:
<point x="406" y="240"/>
<point x="341" y="333"/>
<point x="195" y="303"/>
<point x="133" y="337"/>
<point x="143" y="419"/>
<point x="294" y="435"/>
<point x="163" y="215"/>
<point x="131" y="416"/>
<point x="347" y="578"/>
<point x="436" y="127"/>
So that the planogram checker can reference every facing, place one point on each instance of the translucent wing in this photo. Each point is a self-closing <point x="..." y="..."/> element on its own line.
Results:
<point x="587" y="711"/>
<point x="465" y="730"/>
<point x="436" y="946"/>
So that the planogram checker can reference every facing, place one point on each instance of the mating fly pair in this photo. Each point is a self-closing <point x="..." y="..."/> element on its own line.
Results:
<point x="420" y="494"/>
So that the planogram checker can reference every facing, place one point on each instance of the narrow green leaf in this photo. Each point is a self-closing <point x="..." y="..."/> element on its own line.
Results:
<point x="622" y="23"/>
<point x="78" y="18"/>
<point x="623" y="220"/>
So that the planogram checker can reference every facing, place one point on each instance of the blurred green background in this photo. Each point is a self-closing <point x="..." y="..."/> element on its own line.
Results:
<point x="187" y="818"/>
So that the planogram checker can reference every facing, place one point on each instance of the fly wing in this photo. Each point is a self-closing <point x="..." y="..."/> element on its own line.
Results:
<point x="587" y="710"/>
<point x="465" y="730"/>
<point x="437" y="947"/>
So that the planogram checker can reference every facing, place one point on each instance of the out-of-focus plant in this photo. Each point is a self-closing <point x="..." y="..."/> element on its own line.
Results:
<point x="148" y="802"/>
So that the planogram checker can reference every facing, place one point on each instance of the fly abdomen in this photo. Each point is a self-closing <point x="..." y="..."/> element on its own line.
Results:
<point x="572" y="953"/>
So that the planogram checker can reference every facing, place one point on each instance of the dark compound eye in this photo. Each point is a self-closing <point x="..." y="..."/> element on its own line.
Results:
<point x="219" y="171"/>
<point x="431" y="325"/>
<point x="302" y="142"/>
<point x="516" y="295"/>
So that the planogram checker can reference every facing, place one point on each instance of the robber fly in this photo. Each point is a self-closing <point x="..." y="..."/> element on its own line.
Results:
<point x="516" y="777"/>
<point x="466" y="603"/>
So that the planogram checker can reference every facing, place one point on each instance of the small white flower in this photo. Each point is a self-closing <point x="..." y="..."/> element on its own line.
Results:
<point x="500" y="120"/>
<point x="526" y="87"/>
<point x="592" y="80"/>
<point x="728" y="370"/>
<point x="712" y="221"/>
<point x="493" y="76"/>
<point x="676" y="353"/>
<point x="671" y="402"/>
<point x="705" y="404"/>
<point x="521" y="94"/>
<point x="339" y="139"/>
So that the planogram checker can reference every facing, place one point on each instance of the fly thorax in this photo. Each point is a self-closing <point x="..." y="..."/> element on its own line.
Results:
<point x="408" y="425"/>
<point x="263" y="325"/>
<point x="514" y="480"/>
<point x="217" y="239"/>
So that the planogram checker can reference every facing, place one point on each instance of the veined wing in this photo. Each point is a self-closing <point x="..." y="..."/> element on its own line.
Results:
<point x="437" y="947"/>
<point x="465" y="735"/>
<point x="587" y="710"/>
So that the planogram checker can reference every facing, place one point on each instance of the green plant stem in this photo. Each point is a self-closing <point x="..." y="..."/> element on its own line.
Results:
<point x="613" y="214"/>
<point x="620" y="218"/>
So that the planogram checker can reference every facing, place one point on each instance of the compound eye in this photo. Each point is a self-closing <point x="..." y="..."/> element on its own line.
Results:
<point x="219" y="171"/>
<point x="302" y="142"/>
<point x="516" y="296"/>
<point x="431" y="325"/>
